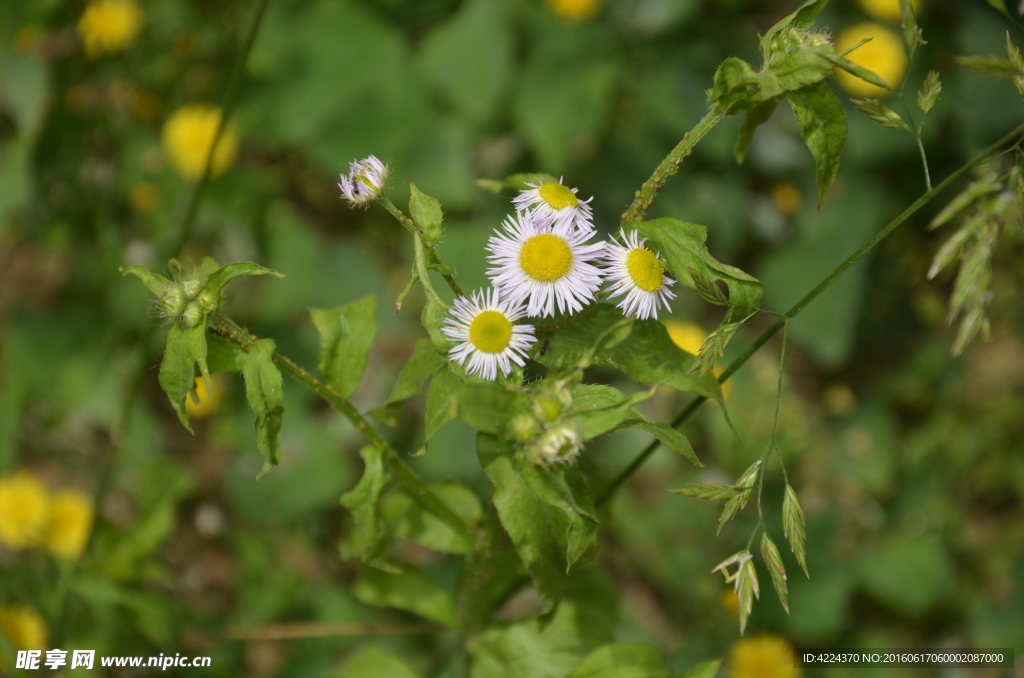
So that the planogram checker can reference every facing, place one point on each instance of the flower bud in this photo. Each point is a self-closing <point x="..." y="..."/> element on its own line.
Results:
<point x="559" y="445"/>
<point x="191" y="288"/>
<point x="524" y="427"/>
<point x="550" y="404"/>
<point x="172" y="303"/>
<point x="208" y="301"/>
<point x="192" y="316"/>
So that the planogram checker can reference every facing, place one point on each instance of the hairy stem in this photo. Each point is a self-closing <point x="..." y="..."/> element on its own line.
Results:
<point x="670" y="165"/>
<point x="735" y="365"/>
<point x="411" y="226"/>
<point x="224" y="326"/>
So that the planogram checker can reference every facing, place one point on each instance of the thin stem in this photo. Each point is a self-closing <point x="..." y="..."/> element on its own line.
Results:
<point x="735" y="365"/>
<point x="924" y="160"/>
<point x="421" y="270"/>
<point x="222" y="325"/>
<point x="670" y="165"/>
<point x="227" y="107"/>
<point x="411" y="226"/>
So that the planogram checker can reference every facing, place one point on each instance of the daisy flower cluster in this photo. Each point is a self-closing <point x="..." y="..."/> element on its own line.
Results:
<point x="542" y="262"/>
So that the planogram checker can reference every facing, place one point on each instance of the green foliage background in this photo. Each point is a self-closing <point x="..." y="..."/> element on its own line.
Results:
<point x="909" y="463"/>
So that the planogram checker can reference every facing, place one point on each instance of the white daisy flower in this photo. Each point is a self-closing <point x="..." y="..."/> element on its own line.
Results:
<point x="634" y="270"/>
<point x="559" y="445"/>
<point x="546" y="264"/>
<point x="558" y="203"/>
<point x="365" y="181"/>
<point x="488" y="340"/>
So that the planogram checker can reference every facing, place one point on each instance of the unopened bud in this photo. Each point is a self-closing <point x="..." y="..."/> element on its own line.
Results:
<point x="191" y="288"/>
<point x="208" y="301"/>
<point x="524" y="427"/>
<point x="172" y="303"/>
<point x="192" y="316"/>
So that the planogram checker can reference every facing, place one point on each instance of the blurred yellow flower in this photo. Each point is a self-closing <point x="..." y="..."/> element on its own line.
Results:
<point x="67" y="530"/>
<point x="108" y="26"/>
<point x="786" y="198"/>
<point x="23" y="627"/>
<point x="188" y="136"/>
<point x="762" y="656"/>
<point x="883" y="55"/>
<point x="574" y="10"/>
<point x="690" y="337"/>
<point x="144" y="196"/>
<point x="886" y="10"/>
<point x="24" y="505"/>
<point x="208" y="402"/>
<point x="730" y="601"/>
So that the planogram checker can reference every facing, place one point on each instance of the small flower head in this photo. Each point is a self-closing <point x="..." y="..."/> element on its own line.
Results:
<point x="884" y="55"/>
<point x="559" y="445"/>
<point x="23" y="627"/>
<point x="762" y="656"/>
<point x="109" y="26"/>
<point x="24" y="507"/>
<point x="188" y="137"/>
<point x="365" y="181"/>
<point x="67" y="530"/>
<point x="558" y="204"/>
<point x="488" y="340"/>
<point x="545" y="265"/>
<point x="636" y="272"/>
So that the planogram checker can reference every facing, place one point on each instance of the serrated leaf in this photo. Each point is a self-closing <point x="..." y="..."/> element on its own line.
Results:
<point x="217" y="279"/>
<point x="623" y="660"/>
<point x="756" y="117"/>
<point x="157" y="284"/>
<point x="264" y="391"/>
<point x="704" y="670"/>
<point x="707" y="491"/>
<point x="668" y="436"/>
<point x="773" y="561"/>
<point x="824" y="126"/>
<point x="598" y="409"/>
<point x="426" y="212"/>
<point x="793" y="526"/>
<point x="738" y="87"/>
<point x="371" y="538"/>
<point x="930" y="90"/>
<point x="538" y="530"/>
<point x="747" y="589"/>
<point x="407" y="518"/>
<point x="440" y="407"/>
<point x="423" y="362"/>
<point x="684" y="246"/>
<point x="881" y="113"/>
<point x="186" y="347"/>
<point x="490" y="408"/>
<point x="346" y="334"/>
<point x="407" y="590"/>
<point x="798" y="68"/>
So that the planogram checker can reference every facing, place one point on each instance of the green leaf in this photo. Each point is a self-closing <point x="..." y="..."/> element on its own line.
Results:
<point x="623" y="660"/>
<point x="599" y="409"/>
<point x="563" y="487"/>
<point x="738" y="87"/>
<point x="346" y="334"/>
<point x="999" y="6"/>
<point x="157" y="284"/>
<point x="370" y="660"/>
<point x="441" y="406"/>
<point x="824" y="126"/>
<point x="371" y="539"/>
<point x="704" y="670"/>
<point x="775" y="39"/>
<point x="433" y="318"/>
<point x="756" y="117"/>
<point x="648" y="355"/>
<point x="930" y="90"/>
<point x="684" y="246"/>
<point x="406" y="590"/>
<point x="797" y="68"/>
<point x="538" y="530"/>
<point x="773" y="561"/>
<point x="423" y="362"/>
<point x="490" y="408"/>
<point x="409" y="520"/>
<point x="265" y="392"/>
<point x="185" y="348"/>
<point x="668" y="436"/>
<point x="224" y="355"/>
<point x="222" y="276"/>
<point x="426" y="212"/>
<point x="793" y="526"/>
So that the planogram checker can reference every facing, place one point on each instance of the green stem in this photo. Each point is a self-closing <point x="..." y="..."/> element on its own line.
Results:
<point x="411" y="226"/>
<point x="735" y="365"/>
<point x="670" y="165"/>
<point x="421" y="270"/>
<point x="224" y="326"/>
<point x="924" y="161"/>
<point x="477" y="578"/>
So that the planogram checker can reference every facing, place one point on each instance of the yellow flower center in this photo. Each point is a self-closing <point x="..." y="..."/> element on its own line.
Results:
<point x="490" y="332"/>
<point x="558" y="196"/>
<point x="645" y="269"/>
<point x="545" y="257"/>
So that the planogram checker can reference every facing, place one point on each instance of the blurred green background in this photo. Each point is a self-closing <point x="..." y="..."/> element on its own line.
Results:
<point x="909" y="463"/>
